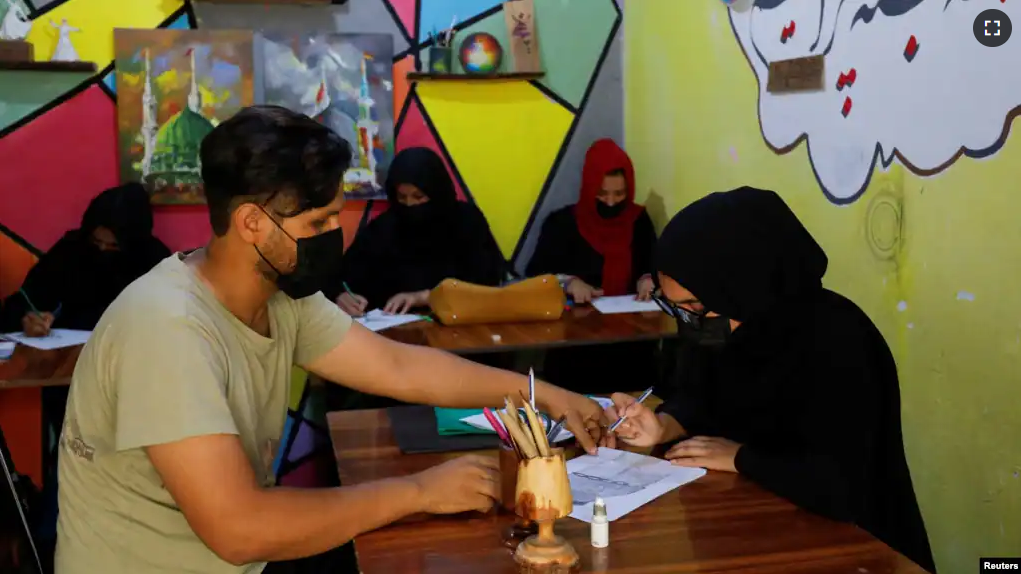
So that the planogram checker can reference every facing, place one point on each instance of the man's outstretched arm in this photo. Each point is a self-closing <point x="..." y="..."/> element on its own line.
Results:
<point x="374" y="364"/>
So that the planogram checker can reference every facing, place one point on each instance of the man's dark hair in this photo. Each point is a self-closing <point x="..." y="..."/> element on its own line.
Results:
<point x="274" y="157"/>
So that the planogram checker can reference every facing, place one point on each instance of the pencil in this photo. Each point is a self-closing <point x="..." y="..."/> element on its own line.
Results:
<point x="537" y="431"/>
<point x="28" y="300"/>
<point x="526" y="447"/>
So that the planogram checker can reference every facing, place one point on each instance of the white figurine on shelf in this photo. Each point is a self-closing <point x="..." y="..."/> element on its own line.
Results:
<point x="64" y="52"/>
<point x="15" y="24"/>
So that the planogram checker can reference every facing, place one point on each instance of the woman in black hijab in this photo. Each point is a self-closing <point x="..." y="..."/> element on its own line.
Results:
<point x="781" y="380"/>
<point x="77" y="279"/>
<point x="424" y="237"/>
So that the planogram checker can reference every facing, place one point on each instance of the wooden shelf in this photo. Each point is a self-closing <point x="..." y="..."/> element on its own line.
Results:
<point x="277" y="2"/>
<point x="505" y="76"/>
<point x="81" y="67"/>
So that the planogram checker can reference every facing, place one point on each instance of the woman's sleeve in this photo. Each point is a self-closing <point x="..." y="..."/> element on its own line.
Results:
<point x="549" y="256"/>
<point x="828" y="472"/>
<point x="483" y="262"/>
<point x="686" y="402"/>
<point x="354" y="269"/>
<point x="643" y="244"/>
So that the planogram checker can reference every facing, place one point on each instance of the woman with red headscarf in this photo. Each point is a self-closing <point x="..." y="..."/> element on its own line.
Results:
<point x="604" y="242"/>
<point x="602" y="245"/>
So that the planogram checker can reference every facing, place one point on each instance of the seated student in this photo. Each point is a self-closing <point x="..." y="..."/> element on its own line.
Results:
<point x="425" y="236"/>
<point x="178" y="401"/>
<point x="604" y="244"/>
<point x="87" y="268"/>
<point x="783" y="381"/>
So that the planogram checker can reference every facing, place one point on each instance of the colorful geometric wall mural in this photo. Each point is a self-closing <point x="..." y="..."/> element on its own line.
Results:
<point x="514" y="148"/>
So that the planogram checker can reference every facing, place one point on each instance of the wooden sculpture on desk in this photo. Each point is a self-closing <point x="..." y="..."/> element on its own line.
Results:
<point x="542" y="494"/>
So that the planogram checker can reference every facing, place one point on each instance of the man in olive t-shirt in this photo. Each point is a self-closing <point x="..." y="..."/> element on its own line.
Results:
<point x="168" y="362"/>
<point x="178" y="400"/>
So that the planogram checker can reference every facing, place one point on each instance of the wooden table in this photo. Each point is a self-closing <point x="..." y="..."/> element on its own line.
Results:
<point x="720" y="523"/>
<point x="28" y="367"/>
<point x="22" y="377"/>
<point x="582" y="325"/>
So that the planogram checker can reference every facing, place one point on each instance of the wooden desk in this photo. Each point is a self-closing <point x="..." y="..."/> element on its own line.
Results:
<point x="29" y="368"/>
<point x="720" y="523"/>
<point x="582" y="325"/>
<point x="22" y="377"/>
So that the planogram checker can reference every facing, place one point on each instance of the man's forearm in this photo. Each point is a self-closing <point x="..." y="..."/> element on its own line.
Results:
<point x="286" y="523"/>
<point x="441" y="379"/>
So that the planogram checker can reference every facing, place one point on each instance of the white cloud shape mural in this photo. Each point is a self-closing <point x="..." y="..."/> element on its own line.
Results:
<point x="906" y="81"/>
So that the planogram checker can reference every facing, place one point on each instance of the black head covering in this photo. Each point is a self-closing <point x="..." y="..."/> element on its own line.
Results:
<point x="423" y="168"/>
<point x="81" y="280"/>
<point x="410" y="248"/>
<point x="124" y="210"/>
<point x="742" y="253"/>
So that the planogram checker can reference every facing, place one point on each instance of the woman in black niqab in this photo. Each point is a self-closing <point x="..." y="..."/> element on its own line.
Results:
<point x="780" y="379"/>
<point x="425" y="236"/>
<point x="88" y="267"/>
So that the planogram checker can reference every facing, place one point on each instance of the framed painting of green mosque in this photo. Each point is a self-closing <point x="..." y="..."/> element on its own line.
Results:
<point x="173" y="88"/>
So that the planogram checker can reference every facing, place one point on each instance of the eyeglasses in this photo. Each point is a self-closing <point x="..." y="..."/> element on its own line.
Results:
<point x="677" y="312"/>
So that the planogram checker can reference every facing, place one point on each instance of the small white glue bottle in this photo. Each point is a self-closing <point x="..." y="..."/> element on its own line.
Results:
<point x="600" y="525"/>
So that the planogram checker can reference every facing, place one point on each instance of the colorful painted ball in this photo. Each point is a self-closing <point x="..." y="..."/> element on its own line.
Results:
<point x="480" y="53"/>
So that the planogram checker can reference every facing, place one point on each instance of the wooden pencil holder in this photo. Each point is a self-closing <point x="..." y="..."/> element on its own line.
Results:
<point x="543" y="495"/>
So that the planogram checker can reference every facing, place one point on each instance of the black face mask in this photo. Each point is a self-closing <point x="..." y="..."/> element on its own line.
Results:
<point x="416" y="215"/>
<point x="696" y="327"/>
<point x="610" y="211"/>
<point x="318" y="261"/>
<point x="713" y="331"/>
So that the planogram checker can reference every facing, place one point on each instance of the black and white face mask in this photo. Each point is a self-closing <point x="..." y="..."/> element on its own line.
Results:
<point x="696" y="327"/>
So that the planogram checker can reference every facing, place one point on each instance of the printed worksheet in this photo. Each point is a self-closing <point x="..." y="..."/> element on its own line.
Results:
<point x="624" y="480"/>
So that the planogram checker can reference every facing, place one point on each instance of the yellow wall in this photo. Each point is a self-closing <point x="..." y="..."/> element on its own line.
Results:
<point x="946" y="299"/>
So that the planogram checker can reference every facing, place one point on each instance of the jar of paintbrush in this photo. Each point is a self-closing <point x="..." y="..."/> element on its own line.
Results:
<point x="541" y="494"/>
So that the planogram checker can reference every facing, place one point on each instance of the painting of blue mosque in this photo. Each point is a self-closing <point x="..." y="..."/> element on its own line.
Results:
<point x="345" y="81"/>
<point x="173" y="88"/>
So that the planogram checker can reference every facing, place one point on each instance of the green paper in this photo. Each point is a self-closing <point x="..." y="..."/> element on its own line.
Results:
<point x="448" y="422"/>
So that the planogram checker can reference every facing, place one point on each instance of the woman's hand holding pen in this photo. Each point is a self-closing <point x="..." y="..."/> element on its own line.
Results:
<point x="641" y="428"/>
<point x="352" y="304"/>
<point x="37" y="324"/>
<point x="645" y="288"/>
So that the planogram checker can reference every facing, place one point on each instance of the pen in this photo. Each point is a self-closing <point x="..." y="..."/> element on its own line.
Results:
<point x="641" y="399"/>
<point x="347" y="289"/>
<point x="28" y="300"/>
<point x="531" y="388"/>
<point x="56" y="312"/>
<point x="552" y="434"/>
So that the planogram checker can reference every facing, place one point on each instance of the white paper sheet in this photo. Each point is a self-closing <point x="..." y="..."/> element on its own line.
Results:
<point x="624" y="480"/>
<point x="57" y="339"/>
<point x="6" y="350"/>
<point x="623" y="304"/>
<point x="376" y="320"/>
<point x="480" y="422"/>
